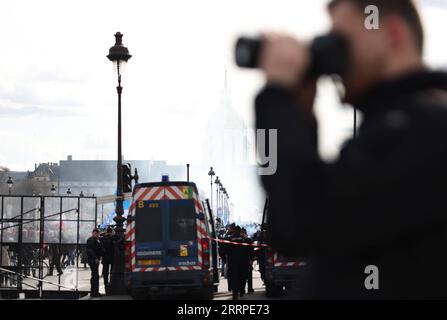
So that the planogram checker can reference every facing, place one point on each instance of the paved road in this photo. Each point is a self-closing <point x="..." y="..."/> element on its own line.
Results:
<point x="259" y="294"/>
<point x="80" y="278"/>
<point x="222" y="294"/>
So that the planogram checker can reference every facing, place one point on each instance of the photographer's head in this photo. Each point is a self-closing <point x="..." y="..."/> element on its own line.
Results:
<point x="378" y="54"/>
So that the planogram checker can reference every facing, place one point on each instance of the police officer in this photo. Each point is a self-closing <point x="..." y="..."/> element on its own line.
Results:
<point x="94" y="252"/>
<point x="381" y="206"/>
<point x="260" y="253"/>
<point x="251" y="257"/>
<point x="222" y="249"/>
<point x="108" y="253"/>
<point x="237" y="262"/>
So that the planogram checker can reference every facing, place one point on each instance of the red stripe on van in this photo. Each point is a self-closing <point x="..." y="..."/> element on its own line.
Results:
<point x="173" y="193"/>
<point x="156" y="193"/>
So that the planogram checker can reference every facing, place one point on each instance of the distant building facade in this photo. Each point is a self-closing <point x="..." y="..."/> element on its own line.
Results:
<point x="99" y="177"/>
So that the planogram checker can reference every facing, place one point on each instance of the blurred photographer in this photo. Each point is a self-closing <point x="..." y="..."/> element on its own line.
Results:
<point x="383" y="202"/>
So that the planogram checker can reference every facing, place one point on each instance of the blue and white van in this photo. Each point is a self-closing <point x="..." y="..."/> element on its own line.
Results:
<point x="170" y="241"/>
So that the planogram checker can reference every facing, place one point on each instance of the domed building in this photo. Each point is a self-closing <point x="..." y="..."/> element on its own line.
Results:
<point x="226" y="147"/>
<point x="226" y="143"/>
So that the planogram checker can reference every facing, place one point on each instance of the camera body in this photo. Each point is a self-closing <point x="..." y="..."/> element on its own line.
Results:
<point x="329" y="54"/>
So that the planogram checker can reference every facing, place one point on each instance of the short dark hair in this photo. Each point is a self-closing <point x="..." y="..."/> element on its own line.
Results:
<point x="96" y="230"/>
<point x="403" y="8"/>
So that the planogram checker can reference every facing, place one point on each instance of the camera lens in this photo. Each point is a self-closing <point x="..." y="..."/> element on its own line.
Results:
<point x="247" y="52"/>
<point x="329" y="54"/>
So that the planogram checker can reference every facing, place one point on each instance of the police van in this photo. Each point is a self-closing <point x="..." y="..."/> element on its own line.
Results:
<point x="280" y="273"/>
<point x="170" y="241"/>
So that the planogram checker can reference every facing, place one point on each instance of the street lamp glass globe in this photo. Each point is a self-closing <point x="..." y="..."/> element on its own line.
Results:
<point x="122" y="66"/>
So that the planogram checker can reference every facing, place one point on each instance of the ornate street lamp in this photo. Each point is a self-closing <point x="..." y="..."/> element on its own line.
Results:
<point x="9" y="183"/>
<point x="119" y="55"/>
<point x="211" y="173"/>
<point x="220" y="198"/>
<point x="217" y="182"/>
<point x="222" y="194"/>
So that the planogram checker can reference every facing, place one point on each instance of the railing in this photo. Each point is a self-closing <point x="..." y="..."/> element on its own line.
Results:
<point x="31" y="225"/>
<point x="23" y="276"/>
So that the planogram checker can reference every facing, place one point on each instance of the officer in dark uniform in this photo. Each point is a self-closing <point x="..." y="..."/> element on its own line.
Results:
<point x="94" y="252"/>
<point x="374" y="223"/>
<point x="251" y="257"/>
<point x="260" y="253"/>
<point x="107" y="259"/>
<point x="222" y="250"/>
<point x="237" y="262"/>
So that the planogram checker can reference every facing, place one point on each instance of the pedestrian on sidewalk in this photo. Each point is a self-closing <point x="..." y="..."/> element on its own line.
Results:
<point x="55" y="259"/>
<point x="94" y="252"/>
<point x="108" y="253"/>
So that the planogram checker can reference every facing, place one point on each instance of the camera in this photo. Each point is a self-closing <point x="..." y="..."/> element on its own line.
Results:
<point x="329" y="54"/>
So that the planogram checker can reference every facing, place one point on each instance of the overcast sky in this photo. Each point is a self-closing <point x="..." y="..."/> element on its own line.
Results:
<point x="57" y="88"/>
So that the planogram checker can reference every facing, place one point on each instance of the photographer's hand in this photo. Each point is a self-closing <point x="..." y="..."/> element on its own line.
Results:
<point x="284" y="60"/>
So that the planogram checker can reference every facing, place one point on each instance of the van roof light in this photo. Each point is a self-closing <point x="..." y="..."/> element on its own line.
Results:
<point x="165" y="178"/>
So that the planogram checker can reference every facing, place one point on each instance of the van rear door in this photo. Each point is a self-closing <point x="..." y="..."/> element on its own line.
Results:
<point x="149" y="247"/>
<point x="182" y="251"/>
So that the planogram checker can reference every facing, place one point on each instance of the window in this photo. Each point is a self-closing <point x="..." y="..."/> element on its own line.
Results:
<point x="183" y="221"/>
<point x="148" y="223"/>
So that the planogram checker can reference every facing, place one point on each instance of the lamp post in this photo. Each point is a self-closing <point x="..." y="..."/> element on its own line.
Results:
<point x="223" y="202"/>
<point x="9" y="183"/>
<point x="211" y="173"/>
<point x="217" y="181"/>
<point x="119" y="55"/>
<point x="220" y="199"/>
<point x="53" y="190"/>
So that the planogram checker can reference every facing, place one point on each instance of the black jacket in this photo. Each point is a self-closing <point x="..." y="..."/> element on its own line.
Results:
<point x="382" y="203"/>
<point x="94" y="250"/>
<point x="238" y="257"/>
<point x="108" y="249"/>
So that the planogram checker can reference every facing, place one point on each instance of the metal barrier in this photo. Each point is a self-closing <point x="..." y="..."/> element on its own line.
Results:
<point x="43" y="234"/>
<point x="38" y="279"/>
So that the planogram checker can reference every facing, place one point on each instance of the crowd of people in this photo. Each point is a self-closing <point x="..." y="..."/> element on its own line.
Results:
<point x="237" y="260"/>
<point x="54" y="256"/>
<point x="57" y="256"/>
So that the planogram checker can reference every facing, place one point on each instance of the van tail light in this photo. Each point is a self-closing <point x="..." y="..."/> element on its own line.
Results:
<point x="127" y="256"/>
<point x="205" y="242"/>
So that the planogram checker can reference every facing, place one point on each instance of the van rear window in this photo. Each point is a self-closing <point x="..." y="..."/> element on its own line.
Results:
<point x="148" y="223"/>
<point x="183" y="221"/>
